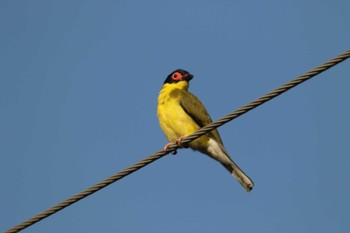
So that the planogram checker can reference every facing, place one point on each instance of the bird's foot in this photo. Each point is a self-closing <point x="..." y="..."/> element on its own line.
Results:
<point x="166" y="148"/>
<point x="179" y="141"/>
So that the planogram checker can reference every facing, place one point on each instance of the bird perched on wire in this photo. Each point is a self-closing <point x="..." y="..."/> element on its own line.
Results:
<point x="180" y="113"/>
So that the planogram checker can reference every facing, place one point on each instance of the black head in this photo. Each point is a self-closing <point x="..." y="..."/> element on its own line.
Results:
<point x="178" y="75"/>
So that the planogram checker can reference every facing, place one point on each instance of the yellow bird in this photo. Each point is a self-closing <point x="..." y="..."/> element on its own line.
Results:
<point x="180" y="113"/>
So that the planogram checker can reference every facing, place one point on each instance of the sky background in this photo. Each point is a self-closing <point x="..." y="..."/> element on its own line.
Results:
<point x="79" y="82"/>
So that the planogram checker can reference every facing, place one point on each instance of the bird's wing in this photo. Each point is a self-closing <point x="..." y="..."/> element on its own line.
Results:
<point x="196" y="110"/>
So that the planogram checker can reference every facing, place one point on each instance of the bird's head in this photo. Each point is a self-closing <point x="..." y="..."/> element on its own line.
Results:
<point x="178" y="76"/>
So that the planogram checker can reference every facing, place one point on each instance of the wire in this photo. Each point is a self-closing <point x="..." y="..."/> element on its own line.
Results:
<point x="173" y="146"/>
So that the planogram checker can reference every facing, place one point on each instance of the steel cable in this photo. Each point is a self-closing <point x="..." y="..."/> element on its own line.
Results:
<point x="185" y="140"/>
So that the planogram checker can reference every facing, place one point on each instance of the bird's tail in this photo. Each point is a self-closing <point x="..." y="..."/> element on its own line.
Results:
<point x="237" y="173"/>
<point x="217" y="151"/>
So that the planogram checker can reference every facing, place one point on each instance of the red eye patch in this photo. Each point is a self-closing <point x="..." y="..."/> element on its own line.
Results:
<point x="176" y="76"/>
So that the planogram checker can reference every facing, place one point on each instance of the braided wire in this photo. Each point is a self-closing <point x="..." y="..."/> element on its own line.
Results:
<point x="172" y="147"/>
<point x="278" y="91"/>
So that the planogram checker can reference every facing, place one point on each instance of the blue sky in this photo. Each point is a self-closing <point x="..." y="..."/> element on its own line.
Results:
<point x="79" y="84"/>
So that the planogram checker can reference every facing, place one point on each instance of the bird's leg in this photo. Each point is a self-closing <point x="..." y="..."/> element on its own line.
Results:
<point x="179" y="141"/>
<point x="166" y="147"/>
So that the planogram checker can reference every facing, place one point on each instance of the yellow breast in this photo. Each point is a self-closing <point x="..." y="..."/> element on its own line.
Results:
<point x="173" y="120"/>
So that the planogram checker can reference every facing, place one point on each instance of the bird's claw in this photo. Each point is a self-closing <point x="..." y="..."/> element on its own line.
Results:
<point x="178" y="142"/>
<point x="166" y="148"/>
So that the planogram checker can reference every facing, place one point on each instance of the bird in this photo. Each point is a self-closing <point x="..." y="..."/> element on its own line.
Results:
<point x="180" y="113"/>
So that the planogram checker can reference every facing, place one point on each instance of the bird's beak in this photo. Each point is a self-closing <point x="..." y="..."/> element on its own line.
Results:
<point x="187" y="77"/>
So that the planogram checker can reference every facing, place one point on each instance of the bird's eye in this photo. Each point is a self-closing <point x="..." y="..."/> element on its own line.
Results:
<point x="176" y="76"/>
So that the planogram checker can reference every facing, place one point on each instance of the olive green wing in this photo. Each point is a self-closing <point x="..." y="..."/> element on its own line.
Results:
<point x="196" y="110"/>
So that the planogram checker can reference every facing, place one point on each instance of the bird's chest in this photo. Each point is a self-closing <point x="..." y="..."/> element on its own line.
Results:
<point x="174" y="121"/>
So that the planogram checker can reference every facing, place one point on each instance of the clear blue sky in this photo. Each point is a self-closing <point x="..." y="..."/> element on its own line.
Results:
<point x="78" y="91"/>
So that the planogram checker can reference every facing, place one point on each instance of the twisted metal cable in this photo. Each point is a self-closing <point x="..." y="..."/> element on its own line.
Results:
<point x="278" y="91"/>
<point x="185" y="140"/>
